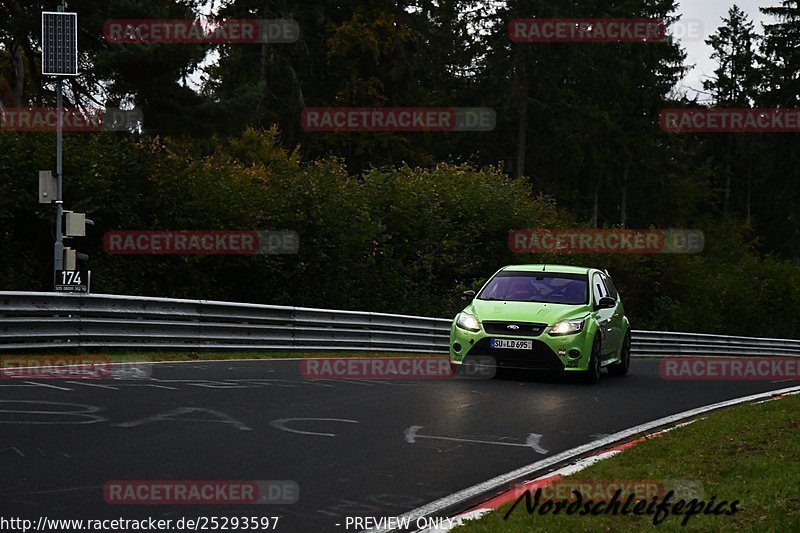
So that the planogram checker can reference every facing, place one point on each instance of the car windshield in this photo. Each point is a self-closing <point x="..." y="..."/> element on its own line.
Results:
<point x="570" y="289"/>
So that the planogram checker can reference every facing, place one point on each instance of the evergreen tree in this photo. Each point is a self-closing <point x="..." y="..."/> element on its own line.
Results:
<point x="781" y="55"/>
<point x="735" y="84"/>
<point x="779" y="156"/>
<point x="735" y="81"/>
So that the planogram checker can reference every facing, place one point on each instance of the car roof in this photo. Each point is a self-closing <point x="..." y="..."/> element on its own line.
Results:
<point x="558" y="269"/>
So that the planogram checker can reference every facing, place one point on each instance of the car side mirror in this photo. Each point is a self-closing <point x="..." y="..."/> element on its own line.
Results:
<point x="606" y="302"/>
<point x="468" y="295"/>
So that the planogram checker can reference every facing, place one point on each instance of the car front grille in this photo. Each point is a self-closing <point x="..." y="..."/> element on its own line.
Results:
<point x="522" y="329"/>
<point x="540" y="357"/>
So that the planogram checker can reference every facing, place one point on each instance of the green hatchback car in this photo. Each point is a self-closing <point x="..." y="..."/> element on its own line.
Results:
<point x="544" y="317"/>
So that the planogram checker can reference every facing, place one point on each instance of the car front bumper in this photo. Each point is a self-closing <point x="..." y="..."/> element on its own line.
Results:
<point x="567" y="353"/>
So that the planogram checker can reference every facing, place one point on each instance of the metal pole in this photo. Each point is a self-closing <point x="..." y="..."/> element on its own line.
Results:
<point x="58" y="249"/>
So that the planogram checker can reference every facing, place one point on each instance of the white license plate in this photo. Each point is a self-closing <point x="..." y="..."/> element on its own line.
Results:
<point x="512" y="344"/>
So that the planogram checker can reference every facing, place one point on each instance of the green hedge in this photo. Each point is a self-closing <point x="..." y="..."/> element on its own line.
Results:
<point x="403" y="240"/>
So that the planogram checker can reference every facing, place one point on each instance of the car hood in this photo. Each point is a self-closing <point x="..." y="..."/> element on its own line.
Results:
<point x="525" y="311"/>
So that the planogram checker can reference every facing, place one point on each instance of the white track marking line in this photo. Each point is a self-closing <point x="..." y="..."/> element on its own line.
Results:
<point x="93" y="385"/>
<point x="507" y="478"/>
<point x="46" y="385"/>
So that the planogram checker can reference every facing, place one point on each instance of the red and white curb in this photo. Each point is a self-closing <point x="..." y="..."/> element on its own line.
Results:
<point x="601" y="448"/>
<point x="546" y="480"/>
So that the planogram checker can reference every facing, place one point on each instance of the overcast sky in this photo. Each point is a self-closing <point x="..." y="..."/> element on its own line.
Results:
<point x="710" y="14"/>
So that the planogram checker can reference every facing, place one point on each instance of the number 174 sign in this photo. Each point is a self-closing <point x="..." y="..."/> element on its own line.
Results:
<point x="73" y="280"/>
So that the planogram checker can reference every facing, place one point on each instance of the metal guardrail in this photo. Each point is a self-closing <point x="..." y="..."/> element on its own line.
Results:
<point x="37" y="320"/>
<point x="51" y="320"/>
<point x="662" y="343"/>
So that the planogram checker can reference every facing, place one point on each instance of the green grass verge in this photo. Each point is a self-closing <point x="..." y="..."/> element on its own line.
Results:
<point x="749" y="453"/>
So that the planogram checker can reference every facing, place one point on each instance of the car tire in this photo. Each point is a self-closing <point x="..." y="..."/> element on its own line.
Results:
<point x="592" y="375"/>
<point x="624" y="365"/>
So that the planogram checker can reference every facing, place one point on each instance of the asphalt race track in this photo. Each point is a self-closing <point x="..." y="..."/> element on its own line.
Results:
<point x="358" y="453"/>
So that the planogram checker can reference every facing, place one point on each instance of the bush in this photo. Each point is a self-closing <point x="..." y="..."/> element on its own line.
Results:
<point x="404" y="240"/>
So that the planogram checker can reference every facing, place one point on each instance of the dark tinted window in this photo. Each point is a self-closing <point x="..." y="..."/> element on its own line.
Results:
<point x="612" y="290"/>
<point x="598" y="287"/>
<point x="571" y="289"/>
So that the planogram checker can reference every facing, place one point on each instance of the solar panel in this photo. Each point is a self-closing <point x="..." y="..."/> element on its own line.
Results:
<point x="59" y="43"/>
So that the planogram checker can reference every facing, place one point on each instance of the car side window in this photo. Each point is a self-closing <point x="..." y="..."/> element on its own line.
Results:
<point x="612" y="290"/>
<point x="598" y="287"/>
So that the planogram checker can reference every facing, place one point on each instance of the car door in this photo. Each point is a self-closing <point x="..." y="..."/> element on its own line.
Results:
<point x="603" y="316"/>
<point x="615" y="326"/>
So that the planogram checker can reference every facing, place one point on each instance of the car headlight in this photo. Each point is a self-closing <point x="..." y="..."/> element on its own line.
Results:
<point x="568" y="327"/>
<point x="468" y="322"/>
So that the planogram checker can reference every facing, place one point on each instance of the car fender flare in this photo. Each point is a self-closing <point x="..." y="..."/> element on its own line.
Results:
<point x="593" y="328"/>
<point x="626" y="327"/>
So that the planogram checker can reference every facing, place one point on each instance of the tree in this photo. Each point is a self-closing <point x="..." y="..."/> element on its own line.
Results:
<point x="148" y="76"/>
<point x="351" y="54"/>
<point x="735" y="81"/>
<point x="580" y="119"/>
<point x="779" y="158"/>
<point x="781" y="55"/>
<point x="735" y="84"/>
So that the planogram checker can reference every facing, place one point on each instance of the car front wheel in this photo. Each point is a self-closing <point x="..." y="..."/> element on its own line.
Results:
<point x="621" y="368"/>
<point x="592" y="374"/>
